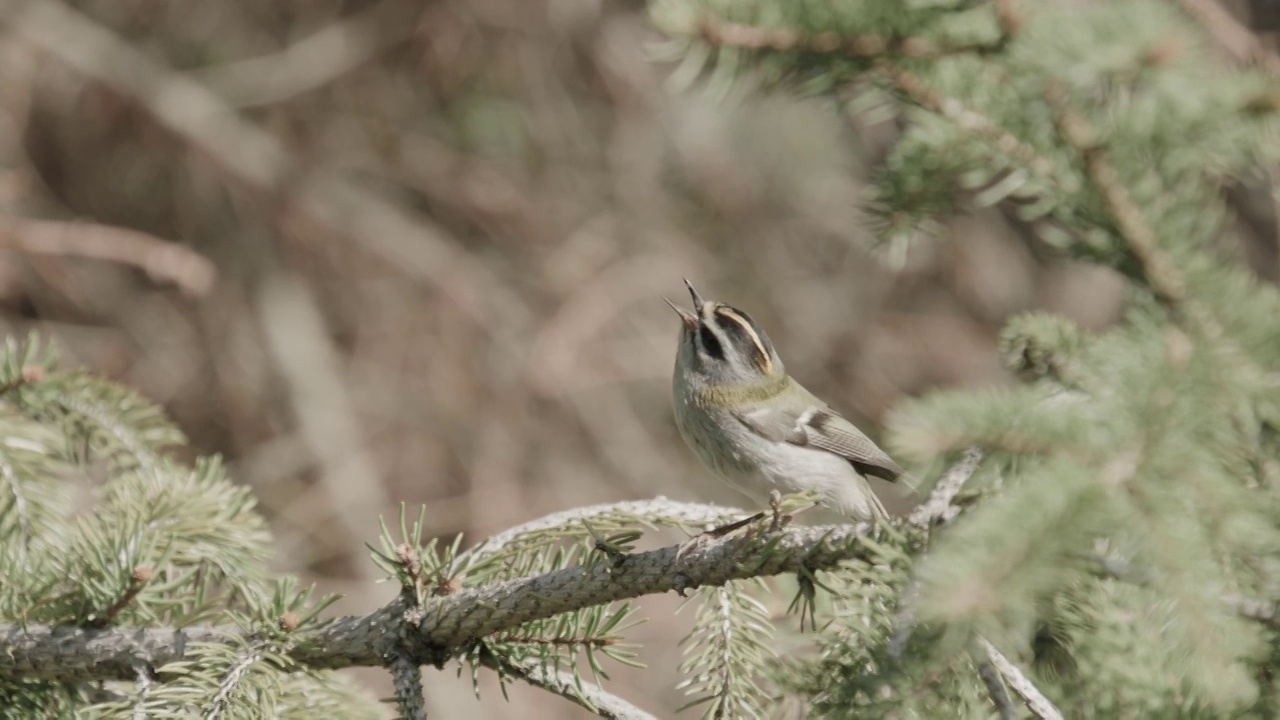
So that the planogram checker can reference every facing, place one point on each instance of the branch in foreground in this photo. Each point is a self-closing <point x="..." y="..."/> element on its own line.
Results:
<point x="939" y="504"/>
<point x="1036" y="702"/>
<point x="445" y="625"/>
<point x="995" y="688"/>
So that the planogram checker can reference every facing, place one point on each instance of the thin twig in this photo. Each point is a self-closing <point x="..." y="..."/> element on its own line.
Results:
<point x="670" y="512"/>
<point x="576" y="690"/>
<point x="996" y="689"/>
<point x="315" y="60"/>
<point x="137" y="580"/>
<point x="323" y="407"/>
<point x="261" y="164"/>
<point x="193" y="273"/>
<point x="1036" y="702"/>
<point x="1237" y="40"/>
<point x="938" y="506"/>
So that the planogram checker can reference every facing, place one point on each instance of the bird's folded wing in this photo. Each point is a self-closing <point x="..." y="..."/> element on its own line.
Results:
<point x="823" y="429"/>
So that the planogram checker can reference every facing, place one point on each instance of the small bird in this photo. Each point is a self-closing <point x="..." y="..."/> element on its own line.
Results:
<point x="758" y="428"/>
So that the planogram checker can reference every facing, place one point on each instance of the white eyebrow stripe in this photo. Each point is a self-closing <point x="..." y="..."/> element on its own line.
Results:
<point x="728" y="312"/>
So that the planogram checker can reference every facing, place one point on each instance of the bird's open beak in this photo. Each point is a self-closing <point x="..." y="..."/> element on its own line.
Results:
<point x="690" y="320"/>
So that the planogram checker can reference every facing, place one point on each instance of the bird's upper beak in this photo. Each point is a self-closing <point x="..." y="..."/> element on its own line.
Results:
<point x="697" y="299"/>
<point x="690" y="320"/>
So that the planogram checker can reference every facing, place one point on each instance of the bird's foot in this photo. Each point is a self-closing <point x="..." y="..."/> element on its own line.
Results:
<point x="780" y="519"/>
<point x="715" y="534"/>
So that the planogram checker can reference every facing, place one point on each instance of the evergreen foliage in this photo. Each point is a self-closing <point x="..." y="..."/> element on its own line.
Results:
<point x="1120" y="539"/>
<point x="100" y="527"/>
<point x="1130" y="485"/>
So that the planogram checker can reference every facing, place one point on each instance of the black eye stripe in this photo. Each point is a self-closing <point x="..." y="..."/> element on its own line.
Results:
<point x="710" y="343"/>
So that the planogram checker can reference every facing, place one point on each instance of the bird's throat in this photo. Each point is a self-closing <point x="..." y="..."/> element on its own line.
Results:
<point x="737" y="395"/>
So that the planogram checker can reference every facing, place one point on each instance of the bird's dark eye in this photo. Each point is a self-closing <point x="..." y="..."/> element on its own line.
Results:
<point x="710" y="343"/>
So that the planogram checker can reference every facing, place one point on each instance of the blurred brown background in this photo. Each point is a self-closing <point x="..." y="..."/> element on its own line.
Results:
<point x="443" y="288"/>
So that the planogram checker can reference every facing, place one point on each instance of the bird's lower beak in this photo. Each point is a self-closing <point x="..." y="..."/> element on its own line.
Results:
<point x="690" y="320"/>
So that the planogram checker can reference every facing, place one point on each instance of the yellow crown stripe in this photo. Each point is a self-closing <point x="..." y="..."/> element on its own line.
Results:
<point x="762" y="359"/>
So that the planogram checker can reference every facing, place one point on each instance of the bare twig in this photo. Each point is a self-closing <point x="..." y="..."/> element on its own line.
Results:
<point x="995" y="687"/>
<point x="259" y="162"/>
<point x="316" y="59"/>
<point x="303" y="349"/>
<point x="443" y="624"/>
<point x="588" y="695"/>
<point x="1036" y="702"/>
<point x="938" y="506"/>
<point x="674" y="513"/>
<point x="193" y="273"/>
<point x="1235" y="39"/>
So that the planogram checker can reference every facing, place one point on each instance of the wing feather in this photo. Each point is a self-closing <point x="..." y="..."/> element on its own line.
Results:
<point x="821" y="428"/>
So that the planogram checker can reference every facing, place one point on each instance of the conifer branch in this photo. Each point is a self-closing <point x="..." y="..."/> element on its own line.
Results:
<point x="917" y="91"/>
<point x="1165" y="279"/>
<point x="752" y="37"/>
<point x="939" y="506"/>
<point x="443" y="625"/>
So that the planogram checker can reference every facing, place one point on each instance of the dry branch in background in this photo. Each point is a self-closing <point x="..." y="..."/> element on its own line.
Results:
<point x="163" y="261"/>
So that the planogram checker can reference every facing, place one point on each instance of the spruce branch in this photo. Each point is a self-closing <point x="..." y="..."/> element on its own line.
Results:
<point x="872" y="46"/>
<point x="443" y="625"/>
<point x="1166" y="280"/>
<point x="939" y="506"/>
<point x="914" y="88"/>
